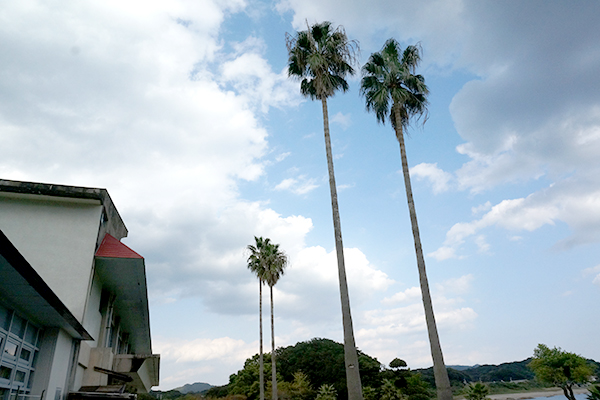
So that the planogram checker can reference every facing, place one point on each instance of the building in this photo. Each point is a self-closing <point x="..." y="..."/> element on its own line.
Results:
<point x="74" y="320"/>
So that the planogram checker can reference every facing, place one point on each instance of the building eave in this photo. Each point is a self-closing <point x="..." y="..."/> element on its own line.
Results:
<point x="123" y="272"/>
<point x="111" y="215"/>
<point x="22" y="286"/>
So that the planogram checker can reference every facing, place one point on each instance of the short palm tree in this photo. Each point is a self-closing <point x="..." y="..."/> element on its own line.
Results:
<point x="393" y="90"/>
<point x="275" y="263"/>
<point x="476" y="391"/>
<point x="257" y="265"/>
<point x="321" y="57"/>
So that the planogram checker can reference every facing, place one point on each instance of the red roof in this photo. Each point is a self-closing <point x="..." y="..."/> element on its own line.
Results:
<point x="113" y="248"/>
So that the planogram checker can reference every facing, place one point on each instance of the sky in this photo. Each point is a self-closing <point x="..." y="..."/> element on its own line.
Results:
<point x="184" y="112"/>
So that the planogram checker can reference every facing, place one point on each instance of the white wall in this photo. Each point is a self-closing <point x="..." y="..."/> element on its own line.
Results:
<point x="92" y="320"/>
<point x="57" y="236"/>
<point x="53" y="362"/>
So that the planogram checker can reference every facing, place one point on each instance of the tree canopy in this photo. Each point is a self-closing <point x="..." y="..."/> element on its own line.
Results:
<point x="560" y="368"/>
<point x="305" y="369"/>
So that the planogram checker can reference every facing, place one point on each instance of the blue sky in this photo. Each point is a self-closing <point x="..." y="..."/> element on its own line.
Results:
<point x="184" y="112"/>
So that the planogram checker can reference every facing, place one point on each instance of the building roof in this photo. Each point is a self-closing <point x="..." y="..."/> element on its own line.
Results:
<point x="122" y="271"/>
<point x="111" y="222"/>
<point x="111" y="247"/>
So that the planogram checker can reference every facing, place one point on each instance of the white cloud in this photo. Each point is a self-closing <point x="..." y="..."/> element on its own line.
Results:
<point x="481" y="208"/>
<point x="444" y="253"/>
<point x="438" y="178"/>
<point x="188" y="359"/>
<point x="388" y="333"/>
<point x="252" y="77"/>
<point x="312" y="283"/>
<point x="410" y="294"/>
<point x="300" y="185"/>
<point x="456" y="285"/>
<point x="344" y="120"/>
<point x="204" y="349"/>
<point x="482" y="245"/>
<point x="573" y="201"/>
<point x="595" y="272"/>
<point x="282" y="156"/>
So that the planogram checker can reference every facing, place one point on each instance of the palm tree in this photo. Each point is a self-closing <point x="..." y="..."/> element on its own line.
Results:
<point x="392" y="90"/>
<point x="257" y="265"/>
<point x="275" y="263"/>
<point x="321" y="57"/>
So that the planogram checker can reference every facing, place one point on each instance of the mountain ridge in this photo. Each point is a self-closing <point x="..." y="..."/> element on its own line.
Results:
<point x="197" y="387"/>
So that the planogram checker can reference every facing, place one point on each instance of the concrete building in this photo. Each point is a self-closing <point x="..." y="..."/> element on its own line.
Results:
<point x="74" y="321"/>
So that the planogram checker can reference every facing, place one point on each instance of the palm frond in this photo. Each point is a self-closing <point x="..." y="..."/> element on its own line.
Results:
<point x="321" y="57"/>
<point x="389" y="81"/>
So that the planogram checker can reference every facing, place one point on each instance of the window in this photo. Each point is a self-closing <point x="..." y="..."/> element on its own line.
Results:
<point x="18" y="326"/>
<point x="25" y="355"/>
<point x="31" y="335"/>
<point x="20" y="376"/>
<point x="10" y="349"/>
<point x="18" y="350"/>
<point x="5" y="315"/>
<point x="5" y="372"/>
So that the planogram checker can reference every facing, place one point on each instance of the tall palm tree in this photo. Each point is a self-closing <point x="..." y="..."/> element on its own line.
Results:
<point x="256" y="264"/>
<point x="275" y="263"/>
<point x="393" y="90"/>
<point x="321" y="57"/>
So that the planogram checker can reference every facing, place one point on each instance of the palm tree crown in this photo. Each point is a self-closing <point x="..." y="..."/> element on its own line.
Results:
<point x="275" y="263"/>
<point x="256" y="259"/>
<point x="321" y="57"/>
<point x="389" y="83"/>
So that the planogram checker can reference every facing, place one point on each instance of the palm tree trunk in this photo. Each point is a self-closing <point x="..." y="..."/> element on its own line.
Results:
<point x="273" y="365"/>
<point x="261" y="369"/>
<point x="439" y="368"/>
<point x="350" y="354"/>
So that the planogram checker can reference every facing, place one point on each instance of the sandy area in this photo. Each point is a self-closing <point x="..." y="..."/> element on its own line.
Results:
<point x="530" y="395"/>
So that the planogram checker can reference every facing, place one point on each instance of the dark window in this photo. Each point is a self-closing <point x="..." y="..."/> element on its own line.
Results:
<point x="18" y="326"/>
<point x="5" y="372"/>
<point x="25" y="355"/>
<point x="31" y="334"/>
<point x="20" y="376"/>
<point x="30" y="380"/>
<point x="5" y="315"/>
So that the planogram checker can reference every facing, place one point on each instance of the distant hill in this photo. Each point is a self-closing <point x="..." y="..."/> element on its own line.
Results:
<point x="513" y="371"/>
<point x="197" y="387"/>
<point x="462" y="367"/>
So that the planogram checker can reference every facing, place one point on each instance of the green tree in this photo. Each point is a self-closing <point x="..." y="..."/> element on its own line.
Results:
<point x="594" y="392"/>
<point x="370" y="393"/>
<point x="389" y="391"/>
<point x="392" y="90"/>
<point x="300" y="388"/>
<point x="257" y="264"/>
<point x="275" y="263"/>
<point x="476" y="391"/>
<point x="326" y="392"/>
<point x="321" y="57"/>
<point x="245" y="381"/>
<point x="417" y="388"/>
<point x="398" y="363"/>
<point x="322" y="360"/>
<point x="560" y="368"/>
